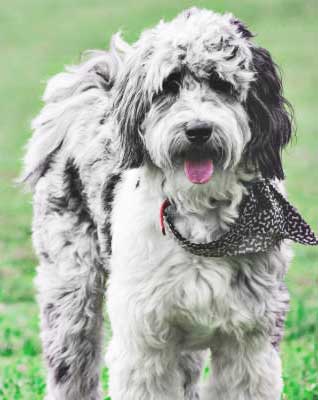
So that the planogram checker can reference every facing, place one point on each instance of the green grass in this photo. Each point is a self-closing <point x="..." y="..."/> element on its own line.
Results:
<point x="37" y="37"/>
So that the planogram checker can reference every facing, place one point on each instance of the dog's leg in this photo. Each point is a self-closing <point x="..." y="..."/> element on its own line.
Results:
<point x="147" y="374"/>
<point x="71" y="314"/>
<point x="70" y="283"/>
<point x="249" y="371"/>
<point x="153" y="374"/>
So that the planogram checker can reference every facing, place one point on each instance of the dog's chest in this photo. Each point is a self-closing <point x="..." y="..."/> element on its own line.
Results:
<point x="206" y="296"/>
<point x="171" y="289"/>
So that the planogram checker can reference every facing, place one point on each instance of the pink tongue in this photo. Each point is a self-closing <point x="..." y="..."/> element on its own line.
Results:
<point x="198" y="171"/>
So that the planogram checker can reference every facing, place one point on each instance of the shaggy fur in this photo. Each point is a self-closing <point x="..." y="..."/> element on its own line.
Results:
<point x="108" y="148"/>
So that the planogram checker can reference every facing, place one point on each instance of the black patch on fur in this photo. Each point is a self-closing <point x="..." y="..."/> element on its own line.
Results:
<point x="138" y="184"/>
<point x="75" y="189"/>
<point x="242" y="29"/>
<point x="172" y="83"/>
<point x="46" y="256"/>
<point x="61" y="372"/>
<point x="109" y="191"/>
<point x="233" y="54"/>
<point x="270" y="117"/>
<point x="74" y="197"/>
<point x="220" y="85"/>
<point x="131" y="104"/>
<point x="108" y="198"/>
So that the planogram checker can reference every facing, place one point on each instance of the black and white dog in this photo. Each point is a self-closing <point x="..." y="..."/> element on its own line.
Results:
<point x="191" y="112"/>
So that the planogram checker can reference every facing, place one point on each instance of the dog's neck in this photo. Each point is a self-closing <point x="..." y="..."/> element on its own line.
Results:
<point x="203" y="211"/>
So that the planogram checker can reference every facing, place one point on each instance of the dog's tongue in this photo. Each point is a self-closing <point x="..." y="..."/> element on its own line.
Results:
<point x="198" y="171"/>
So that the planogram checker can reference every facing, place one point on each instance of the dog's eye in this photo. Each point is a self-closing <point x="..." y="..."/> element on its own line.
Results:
<point x="219" y="85"/>
<point x="172" y="83"/>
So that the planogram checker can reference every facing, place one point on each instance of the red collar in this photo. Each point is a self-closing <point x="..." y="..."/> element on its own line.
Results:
<point x="166" y="203"/>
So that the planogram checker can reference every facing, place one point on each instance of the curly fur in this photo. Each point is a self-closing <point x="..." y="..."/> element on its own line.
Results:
<point x="108" y="148"/>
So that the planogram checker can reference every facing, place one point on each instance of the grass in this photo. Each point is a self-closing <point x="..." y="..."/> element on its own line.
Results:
<point x="37" y="38"/>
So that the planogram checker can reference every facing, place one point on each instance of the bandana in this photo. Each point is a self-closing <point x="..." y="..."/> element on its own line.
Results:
<point x="265" y="219"/>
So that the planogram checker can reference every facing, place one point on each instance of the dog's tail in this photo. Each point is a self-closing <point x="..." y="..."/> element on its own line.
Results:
<point x="73" y="99"/>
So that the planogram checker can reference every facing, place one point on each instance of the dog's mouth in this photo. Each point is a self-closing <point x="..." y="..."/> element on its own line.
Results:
<point x="198" y="163"/>
<point x="199" y="171"/>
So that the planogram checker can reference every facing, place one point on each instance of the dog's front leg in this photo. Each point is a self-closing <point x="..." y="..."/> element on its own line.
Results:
<point x="244" y="371"/>
<point x="143" y="373"/>
<point x="142" y="357"/>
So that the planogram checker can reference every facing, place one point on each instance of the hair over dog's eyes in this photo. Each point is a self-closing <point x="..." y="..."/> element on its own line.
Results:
<point x="171" y="84"/>
<point x="221" y="86"/>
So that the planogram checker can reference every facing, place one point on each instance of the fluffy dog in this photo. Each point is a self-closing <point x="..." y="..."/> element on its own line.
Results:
<point x="191" y="112"/>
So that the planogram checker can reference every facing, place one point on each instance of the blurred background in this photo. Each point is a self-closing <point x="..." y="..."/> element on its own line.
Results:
<point x="37" y="38"/>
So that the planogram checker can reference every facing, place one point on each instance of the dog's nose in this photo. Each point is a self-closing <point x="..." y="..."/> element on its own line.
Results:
<point x="198" y="132"/>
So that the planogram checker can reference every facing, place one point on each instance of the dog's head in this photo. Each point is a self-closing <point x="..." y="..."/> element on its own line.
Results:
<point x="197" y="95"/>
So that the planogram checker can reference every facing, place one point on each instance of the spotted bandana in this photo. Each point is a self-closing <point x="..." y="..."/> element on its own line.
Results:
<point x="265" y="219"/>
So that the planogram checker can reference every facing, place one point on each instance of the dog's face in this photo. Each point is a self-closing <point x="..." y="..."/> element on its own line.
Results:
<point x="197" y="95"/>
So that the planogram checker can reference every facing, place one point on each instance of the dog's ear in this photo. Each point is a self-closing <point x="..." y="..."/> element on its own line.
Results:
<point x="131" y="104"/>
<point x="269" y="117"/>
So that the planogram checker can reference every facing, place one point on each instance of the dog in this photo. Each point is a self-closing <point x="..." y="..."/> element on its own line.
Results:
<point x="191" y="112"/>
